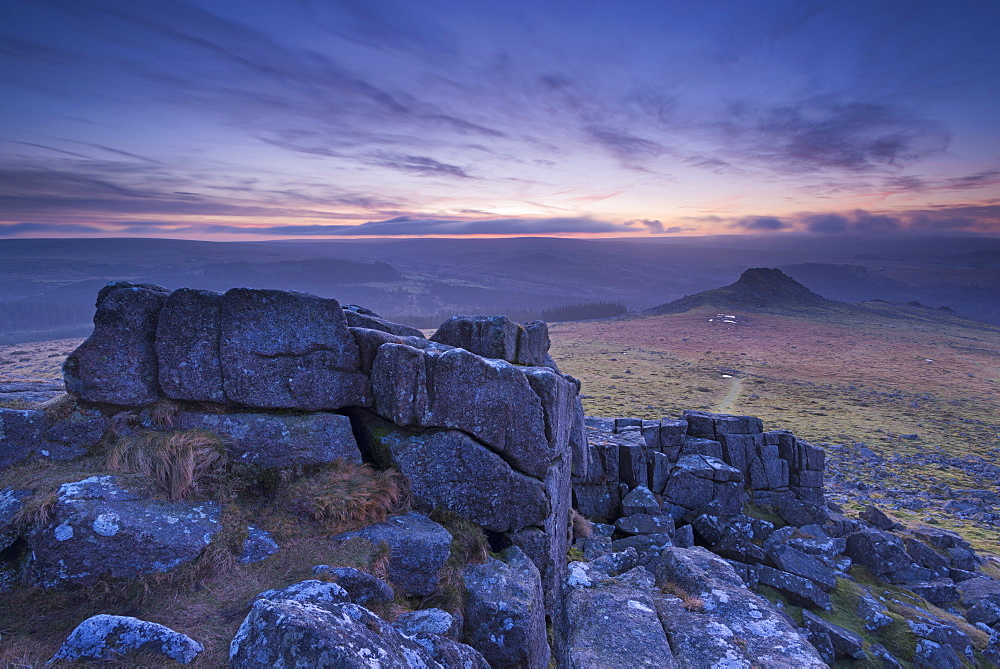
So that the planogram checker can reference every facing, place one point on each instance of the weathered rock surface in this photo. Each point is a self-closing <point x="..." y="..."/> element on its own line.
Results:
<point x="298" y="634"/>
<point x="100" y="529"/>
<point x="497" y="337"/>
<point x="697" y="640"/>
<point x="259" y="545"/>
<point x="11" y="501"/>
<point x="187" y="346"/>
<point x="489" y="399"/>
<point x="362" y="588"/>
<point x="281" y="349"/>
<point x="115" y="638"/>
<point x="427" y="621"/>
<point x="359" y="317"/>
<point x="72" y="436"/>
<point x="28" y="433"/>
<point x="768" y="638"/>
<point x="117" y="363"/>
<point x="610" y="614"/>
<point x="505" y="611"/>
<point x="418" y="549"/>
<point x="319" y="593"/>
<point x="20" y="435"/>
<point x="449" y="469"/>
<point x="279" y="440"/>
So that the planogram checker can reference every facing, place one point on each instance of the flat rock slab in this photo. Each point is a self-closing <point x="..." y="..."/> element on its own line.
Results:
<point x="450" y="470"/>
<point x="288" y="350"/>
<point x="615" y="626"/>
<point x="766" y="637"/>
<point x="114" y="638"/>
<point x="697" y="639"/>
<point x="100" y="529"/>
<point x="30" y="391"/>
<point x="280" y="440"/>
<point x="27" y="433"/>
<point x="489" y="399"/>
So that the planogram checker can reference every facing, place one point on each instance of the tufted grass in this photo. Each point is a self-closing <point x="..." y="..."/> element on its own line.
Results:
<point x="690" y="602"/>
<point x="469" y="545"/>
<point x="582" y="527"/>
<point x="60" y="407"/>
<point x="175" y="462"/>
<point x="348" y="493"/>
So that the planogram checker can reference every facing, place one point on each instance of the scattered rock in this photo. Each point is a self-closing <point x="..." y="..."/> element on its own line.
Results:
<point x="418" y="549"/>
<point x="318" y="593"/>
<point x="640" y="501"/>
<point x="289" y="633"/>
<point x="115" y="638"/>
<point x="361" y="587"/>
<point x="427" y="621"/>
<point x="100" y="529"/>
<point x="505" y="611"/>
<point x="845" y="642"/>
<point x="259" y="545"/>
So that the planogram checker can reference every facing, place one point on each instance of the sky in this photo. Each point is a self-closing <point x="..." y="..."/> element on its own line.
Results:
<point x="315" y="118"/>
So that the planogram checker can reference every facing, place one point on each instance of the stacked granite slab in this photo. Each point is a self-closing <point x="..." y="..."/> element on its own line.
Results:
<point x="479" y="418"/>
<point x="699" y="458"/>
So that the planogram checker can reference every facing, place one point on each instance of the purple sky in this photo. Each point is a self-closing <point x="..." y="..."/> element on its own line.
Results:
<point x="258" y="120"/>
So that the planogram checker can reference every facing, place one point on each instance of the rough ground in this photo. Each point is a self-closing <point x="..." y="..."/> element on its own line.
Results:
<point x="867" y="384"/>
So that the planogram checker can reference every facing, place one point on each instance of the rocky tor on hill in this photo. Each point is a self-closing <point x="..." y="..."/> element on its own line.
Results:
<point x="469" y="514"/>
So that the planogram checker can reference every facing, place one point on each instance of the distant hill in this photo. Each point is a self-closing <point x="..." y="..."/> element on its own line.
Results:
<point x="758" y="289"/>
<point x="771" y="291"/>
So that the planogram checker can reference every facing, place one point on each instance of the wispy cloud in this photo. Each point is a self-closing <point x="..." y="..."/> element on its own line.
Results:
<point x="854" y="137"/>
<point x="421" y="165"/>
<point x="396" y="227"/>
<point x="624" y="145"/>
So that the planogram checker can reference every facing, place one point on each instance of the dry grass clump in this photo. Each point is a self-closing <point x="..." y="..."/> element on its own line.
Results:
<point x="164" y="411"/>
<point x="691" y="603"/>
<point x="176" y="462"/>
<point x="582" y="527"/>
<point x="348" y="494"/>
<point x="60" y="407"/>
<point x="36" y="511"/>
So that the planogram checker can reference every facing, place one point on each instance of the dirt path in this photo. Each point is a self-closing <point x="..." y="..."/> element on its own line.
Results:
<point x="726" y="403"/>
